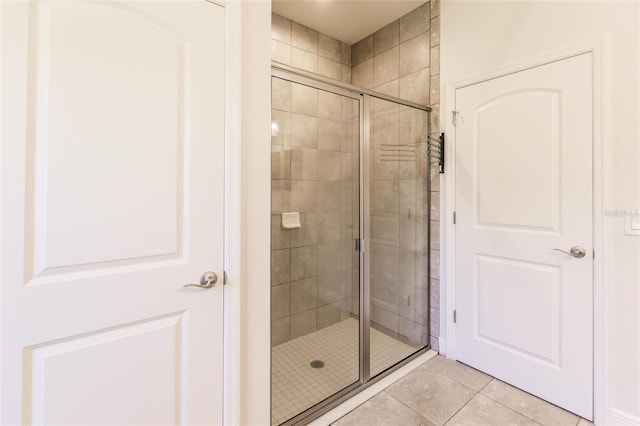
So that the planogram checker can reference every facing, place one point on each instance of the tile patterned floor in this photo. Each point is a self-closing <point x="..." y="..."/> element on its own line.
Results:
<point x="443" y="392"/>
<point x="296" y="386"/>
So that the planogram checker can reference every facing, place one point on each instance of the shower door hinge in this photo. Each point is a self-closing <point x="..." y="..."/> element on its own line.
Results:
<point x="454" y="218"/>
<point x="454" y="316"/>
<point x="224" y="277"/>
<point x="454" y="117"/>
<point x="359" y="245"/>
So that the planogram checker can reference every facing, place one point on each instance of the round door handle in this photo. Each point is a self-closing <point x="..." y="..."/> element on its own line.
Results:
<point x="575" y="251"/>
<point x="208" y="280"/>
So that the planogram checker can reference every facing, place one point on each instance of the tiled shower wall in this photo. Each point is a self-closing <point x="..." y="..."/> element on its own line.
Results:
<point x="314" y="172"/>
<point x="402" y="60"/>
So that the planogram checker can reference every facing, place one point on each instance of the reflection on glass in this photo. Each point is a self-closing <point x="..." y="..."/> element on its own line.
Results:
<point x="314" y="268"/>
<point x="399" y="223"/>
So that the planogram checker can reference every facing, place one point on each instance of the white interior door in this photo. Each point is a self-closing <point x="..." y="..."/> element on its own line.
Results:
<point x="523" y="189"/>
<point x="112" y="200"/>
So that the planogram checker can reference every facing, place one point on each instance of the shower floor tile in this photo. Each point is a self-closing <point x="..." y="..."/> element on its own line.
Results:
<point x="297" y="386"/>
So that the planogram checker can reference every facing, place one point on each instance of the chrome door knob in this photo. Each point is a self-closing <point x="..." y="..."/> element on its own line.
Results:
<point x="208" y="280"/>
<point x="575" y="251"/>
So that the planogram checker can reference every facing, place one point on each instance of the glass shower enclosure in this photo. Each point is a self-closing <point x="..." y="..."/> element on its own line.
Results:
<point x="349" y="240"/>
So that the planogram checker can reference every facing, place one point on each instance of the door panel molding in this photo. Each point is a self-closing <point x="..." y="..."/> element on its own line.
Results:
<point x="599" y="49"/>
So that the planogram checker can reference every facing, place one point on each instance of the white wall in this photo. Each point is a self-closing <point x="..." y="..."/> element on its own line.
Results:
<point x="478" y="37"/>
<point x="248" y="374"/>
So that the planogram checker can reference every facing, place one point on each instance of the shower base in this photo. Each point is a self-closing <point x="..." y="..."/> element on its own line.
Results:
<point x="296" y="386"/>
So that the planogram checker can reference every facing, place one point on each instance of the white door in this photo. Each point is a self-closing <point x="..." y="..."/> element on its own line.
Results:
<point x="523" y="189"/>
<point x="112" y="200"/>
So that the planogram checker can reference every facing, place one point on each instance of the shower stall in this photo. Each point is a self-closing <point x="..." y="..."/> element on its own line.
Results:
<point x="349" y="239"/>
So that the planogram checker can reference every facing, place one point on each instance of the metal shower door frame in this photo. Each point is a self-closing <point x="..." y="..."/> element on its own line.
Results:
<point x="364" y="97"/>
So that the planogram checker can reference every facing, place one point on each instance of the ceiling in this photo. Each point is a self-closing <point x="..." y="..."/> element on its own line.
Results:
<point x="347" y="20"/>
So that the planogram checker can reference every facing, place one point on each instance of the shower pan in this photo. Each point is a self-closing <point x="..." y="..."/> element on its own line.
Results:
<point x="349" y="240"/>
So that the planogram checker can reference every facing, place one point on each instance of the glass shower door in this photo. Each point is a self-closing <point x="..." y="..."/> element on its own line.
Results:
<point x="399" y="231"/>
<point x="315" y="272"/>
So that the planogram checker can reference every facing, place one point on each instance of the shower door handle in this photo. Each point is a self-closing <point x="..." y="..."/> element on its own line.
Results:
<point x="208" y="280"/>
<point x="575" y="251"/>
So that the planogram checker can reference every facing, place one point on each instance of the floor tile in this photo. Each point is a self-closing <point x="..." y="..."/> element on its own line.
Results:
<point x="382" y="410"/>
<point x="528" y="405"/>
<point x="482" y="411"/>
<point x="461" y="373"/>
<point x="584" y="422"/>
<point x="433" y="396"/>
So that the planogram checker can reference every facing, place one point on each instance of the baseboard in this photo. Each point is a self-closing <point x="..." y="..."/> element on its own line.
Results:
<point x="619" y="417"/>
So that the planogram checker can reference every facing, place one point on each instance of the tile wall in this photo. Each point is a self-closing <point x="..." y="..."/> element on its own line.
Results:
<point x="314" y="172"/>
<point x="402" y="60"/>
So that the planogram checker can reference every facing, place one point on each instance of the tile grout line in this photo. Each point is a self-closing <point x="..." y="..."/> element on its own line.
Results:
<point x="402" y="403"/>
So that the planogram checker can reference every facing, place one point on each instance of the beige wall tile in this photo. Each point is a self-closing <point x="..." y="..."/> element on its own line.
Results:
<point x="276" y="196"/>
<point x="435" y="60"/>
<point x="346" y="54"/>
<point x="435" y="8"/>
<point x="415" y="22"/>
<point x="329" y="135"/>
<point x="346" y="74"/>
<point x="304" y="295"/>
<point x="390" y="88"/>
<point x="435" y="119"/>
<point x="304" y="262"/>
<point x="411" y="333"/>
<point x="329" y="105"/>
<point x="280" y="301"/>
<point x="303" y="197"/>
<point x="329" y="315"/>
<point x="280" y="238"/>
<point x="435" y="264"/>
<point x="328" y="258"/>
<point x="304" y="131"/>
<point x="280" y="266"/>
<point x="362" y="50"/>
<point x="414" y="54"/>
<point x="304" y="38"/>
<point x="307" y="234"/>
<point x="329" y="165"/>
<point x="304" y="164"/>
<point x="280" y="52"/>
<point x="386" y="38"/>
<point x="386" y="319"/>
<point x="348" y="165"/>
<point x="407" y="262"/>
<point x="384" y="196"/>
<point x="329" y="195"/>
<point x="280" y="331"/>
<point x="280" y="94"/>
<point x="384" y="228"/>
<point x="415" y="87"/>
<point x="303" y="323"/>
<point x="304" y="60"/>
<point x="329" y="48"/>
<point x="280" y="127"/>
<point x="435" y="31"/>
<point x="329" y="68"/>
<point x="434" y="87"/>
<point x="330" y="288"/>
<point x="329" y="226"/>
<point x="384" y="261"/>
<point x="362" y="74"/>
<point x="386" y="66"/>
<point x="280" y="28"/>
<point x="304" y="99"/>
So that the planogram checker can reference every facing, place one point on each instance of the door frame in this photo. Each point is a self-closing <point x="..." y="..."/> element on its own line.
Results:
<point x="599" y="50"/>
